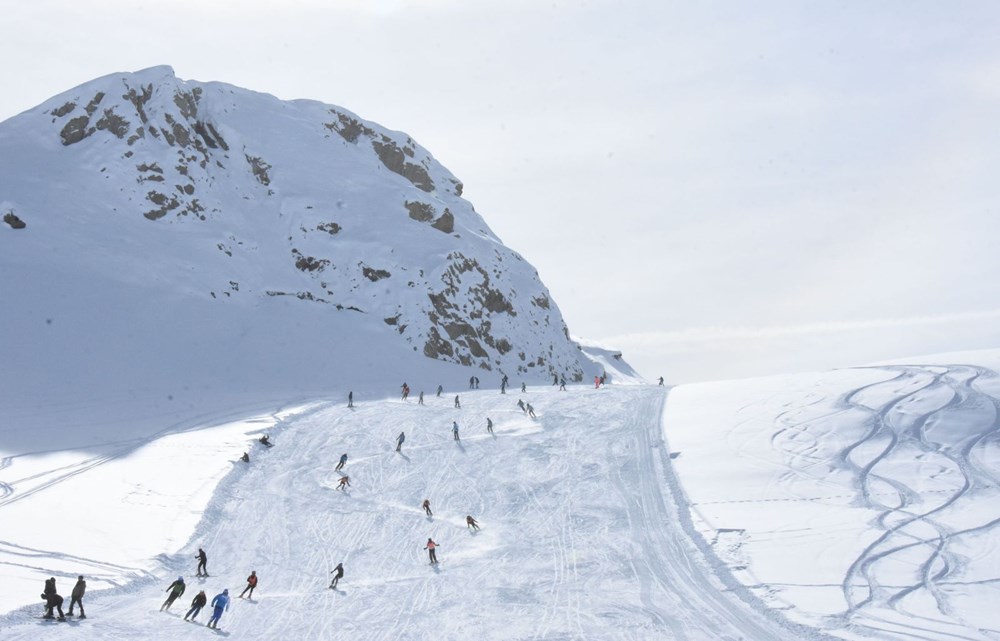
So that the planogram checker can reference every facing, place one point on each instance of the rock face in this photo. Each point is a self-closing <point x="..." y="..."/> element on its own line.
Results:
<point x="212" y="191"/>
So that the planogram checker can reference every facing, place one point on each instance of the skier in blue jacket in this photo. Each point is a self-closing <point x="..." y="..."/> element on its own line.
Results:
<point x="221" y="604"/>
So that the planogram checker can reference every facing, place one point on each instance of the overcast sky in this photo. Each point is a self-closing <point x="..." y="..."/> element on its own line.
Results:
<point x="719" y="189"/>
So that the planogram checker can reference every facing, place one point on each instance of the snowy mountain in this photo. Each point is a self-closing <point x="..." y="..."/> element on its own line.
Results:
<point x="140" y="202"/>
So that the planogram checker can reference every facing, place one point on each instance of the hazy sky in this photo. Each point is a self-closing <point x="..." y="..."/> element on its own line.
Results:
<point x="720" y="189"/>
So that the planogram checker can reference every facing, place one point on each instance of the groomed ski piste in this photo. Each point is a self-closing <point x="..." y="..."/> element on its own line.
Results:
<point x="853" y="504"/>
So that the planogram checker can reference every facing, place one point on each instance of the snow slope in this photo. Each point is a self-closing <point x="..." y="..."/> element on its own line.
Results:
<point x="864" y="502"/>
<point x="580" y="533"/>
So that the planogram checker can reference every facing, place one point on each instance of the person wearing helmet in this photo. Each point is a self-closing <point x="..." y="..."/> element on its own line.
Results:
<point x="220" y="604"/>
<point x="175" y="589"/>
<point x="251" y="584"/>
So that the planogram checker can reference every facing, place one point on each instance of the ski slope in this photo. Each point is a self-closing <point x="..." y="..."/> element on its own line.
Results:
<point x="581" y="535"/>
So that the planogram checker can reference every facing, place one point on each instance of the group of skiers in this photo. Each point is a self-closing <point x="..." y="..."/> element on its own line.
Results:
<point x="54" y="601"/>
<point x="219" y="604"/>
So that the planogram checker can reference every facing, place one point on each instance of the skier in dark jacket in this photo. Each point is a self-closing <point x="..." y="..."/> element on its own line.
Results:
<point x="266" y="440"/>
<point x="562" y="384"/>
<point x="427" y="507"/>
<point x="220" y="604"/>
<point x="245" y="458"/>
<point x="399" y="440"/>
<point x="53" y="601"/>
<point x="197" y="604"/>
<point x="76" y="597"/>
<point x="343" y="460"/>
<point x="471" y="523"/>
<point x="202" y="562"/>
<point x="530" y="410"/>
<point x="350" y="399"/>
<point x="339" y="574"/>
<point x="520" y="404"/>
<point x="251" y="584"/>
<point x="489" y="425"/>
<point x="457" y="404"/>
<point x="175" y="589"/>
<point x="440" y="389"/>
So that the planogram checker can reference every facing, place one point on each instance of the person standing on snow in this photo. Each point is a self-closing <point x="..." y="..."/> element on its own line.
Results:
<point x="350" y="399"/>
<point x="251" y="584"/>
<point x="202" y="562"/>
<point x="175" y="589"/>
<point x="340" y="466"/>
<point x="661" y="381"/>
<point x="524" y="388"/>
<point x="339" y="574"/>
<point x="472" y="382"/>
<point x="440" y="389"/>
<point x="399" y="440"/>
<point x="597" y="382"/>
<point x="457" y="404"/>
<point x="562" y="384"/>
<point x="76" y="597"/>
<point x="197" y="603"/>
<point x="471" y="522"/>
<point x="454" y="430"/>
<point x="427" y="507"/>
<point x="221" y="604"/>
<point x="489" y="425"/>
<point x="420" y="400"/>
<point x="406" y="391"/>
<point x="431" y="545"/>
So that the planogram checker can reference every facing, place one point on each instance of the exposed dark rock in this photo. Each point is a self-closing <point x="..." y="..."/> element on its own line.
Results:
<point x="180" y="133"/>
<point x="114" y="123"/>
<point x="138" y="100"/>
<point x="259" y="169"/>
<point x="436" y="347"/>
<point x="394" y="159"/>
<point x="374" y="274"/>
<point x="11" y="219"/>
<point x="154" y="167"/>
<point x="309" y="263"/>
<point x="419" y="211"/>
<point x="330" y="228"/>
<point x="541" y="301"/>
<point x="218" y="137"/>
<point x="187" y="102"/>
<point x="65" y="109"/>
<point x="392" y="320"/>
<point x="75" y="130"/>
<point x="445" y="223"/>
<point x="349" y="128"/>
<point x="92" y="105"/>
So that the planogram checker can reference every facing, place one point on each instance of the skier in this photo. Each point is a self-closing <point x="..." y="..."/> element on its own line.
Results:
<point x="221" y="604"/>
<point x="472" y="382"/>
<point x="350" y="399"/>
<point x="661" y="381"/>
<point x="202" y="562"/>
<point x="197" y="603"/>
<point x="471" y="522"/>
<point x="399" y="440"/>
<point x="245" y="458"/>
<point x="530" y="410"/>
<point x="53" y="601"/>
<point x="340" y="466"/>
<point x="265" y="440"/>
<point x="440" y="389"/>
<point x="520" y="404"/>
<point x="489" y="425"/>
<point x="406" y="391"/>
<point x="427" y="507"/>
<point x="604" y="378"/>
<point x="597" y="382"/>
<point x="457" y="404"/>
<point x="251" y="583"/>
<point x="420" y="401"/>
<point x="503" y="384"/>
<point x="339" y="571"/>
<point x="175" y="589"/>
<point x="454" y="430"/>
<point x="345" y="482"/>
<point x="562" y="384"/>
<point x="430" y="550"/>
<point x="76" y="597"/>
<point x="555" y="379"/>
<point x="524" y="388"/>
<point x="476" y="379"/>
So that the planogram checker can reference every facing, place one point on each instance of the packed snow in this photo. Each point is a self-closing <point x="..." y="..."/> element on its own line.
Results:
<point x="857" y="503"/>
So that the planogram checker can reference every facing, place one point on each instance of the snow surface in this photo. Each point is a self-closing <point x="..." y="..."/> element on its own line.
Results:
<point x="854" y="504"/>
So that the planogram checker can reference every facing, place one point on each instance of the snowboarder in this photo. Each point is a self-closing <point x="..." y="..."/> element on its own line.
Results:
<point x="175" y="589"/>
<point x="454" y="430"/>
<point x="76" y="597"/>
<point x="489" y="425"/>
<point x="457" y="404"/>
<point x="221" y="604"/>
<point x="53" y="601"/>
<point x="520" y="404"/>
<point x="427" y="507"/>
<point x="350" y="399"/>
<point x="661" y="381"/>
<point x="265" y="440"/>
<point x="339" y="574"/>
<point x="530" y="410"/>
<point x="471" y="522"/>
<point x="420" y="400"/>
<point x="399" y="440"/>
<point x="406" y="391"/>
<point x="340" y="466"/>
<point x="202" y="562"/>
<point x="251" y="583"/>
<point x="345" y="482"/>
<point x="562" y="384"/>
<point x="245" y="458"/>
<point x="524" y="388"/>
<point x="197" y="603"/>
<point x="430" y="550"/>
<point x="440" y="389"/>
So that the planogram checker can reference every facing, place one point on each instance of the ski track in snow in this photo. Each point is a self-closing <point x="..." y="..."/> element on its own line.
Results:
<point x="933" y="417"/>
<point x="585" y="534"/>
